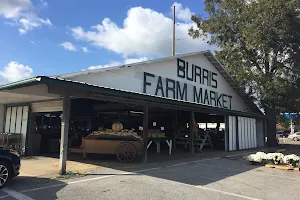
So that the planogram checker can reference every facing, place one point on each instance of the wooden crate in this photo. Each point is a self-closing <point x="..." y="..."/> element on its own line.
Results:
<point x="284" y="167"/>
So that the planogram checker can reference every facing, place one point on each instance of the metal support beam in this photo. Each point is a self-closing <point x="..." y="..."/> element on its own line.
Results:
<point x="64" y="135"/>
<point x="191" y="136"/>
<point x="145" y="133"/>
<point x="226" y="133"/>
<point x="237" y="132"/>
<point x="175" y="130"/>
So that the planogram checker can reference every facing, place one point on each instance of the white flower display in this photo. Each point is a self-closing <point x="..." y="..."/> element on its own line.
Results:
<point x="268" y="156"/>
<point x="291" y="159"/>
<point x="276" y="158"/>
<point x="254" y="158"/>
<point x="261" y="154"/>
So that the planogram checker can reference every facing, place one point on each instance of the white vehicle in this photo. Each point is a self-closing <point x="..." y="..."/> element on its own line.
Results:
<point x="295" y="136"/>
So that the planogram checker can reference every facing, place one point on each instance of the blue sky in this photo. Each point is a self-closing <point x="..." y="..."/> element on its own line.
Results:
<point x="40" y="37"/>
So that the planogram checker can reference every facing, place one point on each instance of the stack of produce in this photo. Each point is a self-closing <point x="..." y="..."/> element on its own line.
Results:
<point x="117" y="130"/>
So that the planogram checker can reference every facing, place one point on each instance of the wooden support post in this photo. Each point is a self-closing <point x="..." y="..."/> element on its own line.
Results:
<point x="191" y="136"/>
<point x="145" y="133"/>
<point x="64" y="135"/>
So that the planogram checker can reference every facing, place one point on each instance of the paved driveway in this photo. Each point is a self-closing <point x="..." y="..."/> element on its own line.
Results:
<point x="204" y="178"/>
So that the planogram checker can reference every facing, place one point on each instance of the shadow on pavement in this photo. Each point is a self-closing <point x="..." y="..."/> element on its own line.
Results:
<point x="164" y="166"/>
<point x="202" y="169"/>
<point x="30" y="185"/>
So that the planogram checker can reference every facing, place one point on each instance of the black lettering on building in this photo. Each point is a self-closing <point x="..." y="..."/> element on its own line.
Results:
<point x="224" y="101"/>
<point x="159" y="86"/>
<point x="214" y="81"/>
<point x="206" y="97"/>
<point x="170" y="86"/>
<point x="180" y="68"/>
<point x="181" y="93"/>
<point x="197" y="95"/>
<point x="230" y="97"/>
<point x="146" y="82"/>
<point x="191" y="69"/>
<point x="219" y="103"/>
<point x="213" y="98"/>
<point x="205" y="76"/>
<point x="209" y="78"/>
<point x="197" y="73"/>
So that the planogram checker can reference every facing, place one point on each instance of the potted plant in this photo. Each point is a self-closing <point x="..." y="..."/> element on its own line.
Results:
<point x="275" y="158"/>
<point x="292" y="160"/>
<point x="256" y="158"/>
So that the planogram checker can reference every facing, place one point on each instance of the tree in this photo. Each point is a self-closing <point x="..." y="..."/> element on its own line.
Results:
<point x="259" y="42"/>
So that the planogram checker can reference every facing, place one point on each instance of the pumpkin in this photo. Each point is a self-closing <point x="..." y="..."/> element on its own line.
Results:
<point x="117" y="126"/>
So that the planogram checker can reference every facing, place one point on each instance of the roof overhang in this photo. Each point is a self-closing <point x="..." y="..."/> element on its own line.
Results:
<point x="96" y="91"/>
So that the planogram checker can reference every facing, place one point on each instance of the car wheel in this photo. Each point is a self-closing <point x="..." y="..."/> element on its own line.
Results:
<point x="5" y="172"/>
<point x="295" y="139"/>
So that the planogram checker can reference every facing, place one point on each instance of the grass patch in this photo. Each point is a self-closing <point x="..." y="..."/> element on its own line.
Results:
<point x="70" y="174"/>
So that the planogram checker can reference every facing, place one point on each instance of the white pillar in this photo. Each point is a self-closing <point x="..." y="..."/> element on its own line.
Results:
<point x="64" y="135"/>
<point x="1" y="117"/>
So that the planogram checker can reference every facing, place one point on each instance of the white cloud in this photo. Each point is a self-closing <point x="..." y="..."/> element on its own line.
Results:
<point x="116" y="63"/>
<point x="43" y="4"/>
<point x="31" y="21"/>
<point x="182" y="13"/>
<point x="14" y="8"/>
<point x="14" y="71"/>
<point x="32" y="42"/>
<point x="68" y="46"/>
<point x="85" y="49"/>
<point x="21" y="13"/>
<point x="145" y="32"/>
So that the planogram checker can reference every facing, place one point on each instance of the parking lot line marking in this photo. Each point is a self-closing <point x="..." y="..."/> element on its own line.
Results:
<point x="16" y="195"/>
<point x="227" y="193"/>
<point x="133" y="172"/>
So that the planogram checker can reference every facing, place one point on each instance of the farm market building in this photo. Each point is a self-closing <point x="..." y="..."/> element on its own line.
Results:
<point x="156" y="100"/>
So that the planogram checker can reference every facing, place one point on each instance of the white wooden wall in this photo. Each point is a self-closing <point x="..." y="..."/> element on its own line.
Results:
<point x="247" y="133"/>
<point x="232" y="133"/>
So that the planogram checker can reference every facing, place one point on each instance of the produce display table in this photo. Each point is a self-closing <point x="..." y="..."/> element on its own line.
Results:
<point x="125" y="147"/>
<point x="157" y="141"/>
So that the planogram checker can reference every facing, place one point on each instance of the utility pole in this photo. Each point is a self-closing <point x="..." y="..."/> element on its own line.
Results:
<point x="173" y="35"/>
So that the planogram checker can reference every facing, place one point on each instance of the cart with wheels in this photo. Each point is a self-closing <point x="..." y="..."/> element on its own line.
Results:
<point x="126" y="148"/>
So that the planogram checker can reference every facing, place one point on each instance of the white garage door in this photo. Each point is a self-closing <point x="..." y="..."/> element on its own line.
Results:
<point x="232" y="133"/>
<point x="241" y="133"/>
<point x="247" y="133"/>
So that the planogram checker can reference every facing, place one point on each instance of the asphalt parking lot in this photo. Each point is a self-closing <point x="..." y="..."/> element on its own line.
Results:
<point x="194" y="178"/>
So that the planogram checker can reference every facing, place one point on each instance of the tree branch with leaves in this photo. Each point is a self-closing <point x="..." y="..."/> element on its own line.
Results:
<point x="259" y="42"/>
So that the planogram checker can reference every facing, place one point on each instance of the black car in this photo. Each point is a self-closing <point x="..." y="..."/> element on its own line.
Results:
<point x="9" y="165"/>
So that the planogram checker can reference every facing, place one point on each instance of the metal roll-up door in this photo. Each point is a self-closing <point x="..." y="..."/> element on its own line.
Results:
<point x="48" y="106"/>
<point x="16" y="123"/>
<point x="247" y="133"/>
<point x="232" y="133"/>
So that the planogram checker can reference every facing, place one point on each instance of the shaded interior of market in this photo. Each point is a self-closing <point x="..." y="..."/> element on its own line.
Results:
<point x="89" y="116"/>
